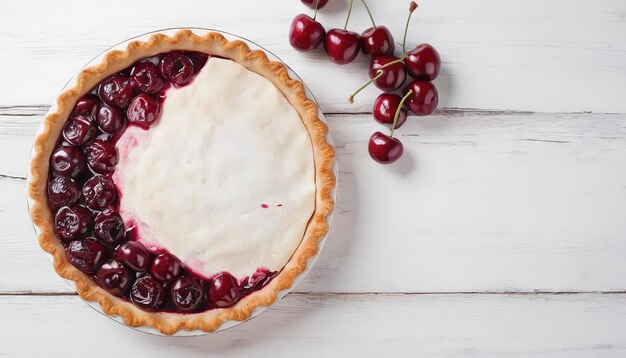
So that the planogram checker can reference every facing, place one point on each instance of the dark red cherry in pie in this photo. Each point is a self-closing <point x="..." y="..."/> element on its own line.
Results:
<point x="258" y="279"/>
<point x="186" y="294"/>
<point x="385" y="149"/>
<point x="101" y="156"/>
<point x="86" y="106"/>
<point x="342" y="46"/>
<point x="199" y="59"/>
<point x="177" y="68"/>
<point x="114" y="277"/>
<point x="72" y="222"/>
<point x="146" y="78"/>
<point x="224" y="290"/>
<point x="87" y="255"/>
<point x="424" y="99"/>
<point x="63" y="191"/>
<point x="305" y="33"/>
<point x="109" y="227"/>
<point x="110" y="119"/>
<point x="143" y="110"/>
<point x="134" y="255"/>
<point x="117" y="91"/>
<point x="99" y="193"/>
<point x="377" y="41"/>
<point x="147" y="293"/>
<point x="423" y="63"/>
<point x="313" y="3"/>
<point x="79" y="130"/>
<point x="385" y="108"/>
<point x="165" y="267"/>
<point x="68" y="161"/>
<point x="393" y="75"/>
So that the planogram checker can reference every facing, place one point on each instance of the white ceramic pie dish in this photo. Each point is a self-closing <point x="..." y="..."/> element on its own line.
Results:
<point x="252" y="45"/>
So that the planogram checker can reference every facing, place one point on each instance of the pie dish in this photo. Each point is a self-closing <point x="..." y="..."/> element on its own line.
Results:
<point x="182" y="182"/>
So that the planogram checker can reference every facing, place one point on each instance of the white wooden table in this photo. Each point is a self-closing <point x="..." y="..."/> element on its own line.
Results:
<point x="500" y="233"/>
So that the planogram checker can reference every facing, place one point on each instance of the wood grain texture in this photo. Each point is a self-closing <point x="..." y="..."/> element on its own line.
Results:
<point x="483" y="326"/>
<point x="555" y="56"/>
<point x="481" y="201"/>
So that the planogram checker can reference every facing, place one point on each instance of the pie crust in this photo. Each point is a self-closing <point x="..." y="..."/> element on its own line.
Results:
<point x="115" y="60"/>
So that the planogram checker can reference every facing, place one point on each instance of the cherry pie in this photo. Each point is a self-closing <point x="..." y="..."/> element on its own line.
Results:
<point x="182" y="182"/>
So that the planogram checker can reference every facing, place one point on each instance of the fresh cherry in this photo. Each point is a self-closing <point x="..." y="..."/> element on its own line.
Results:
<point x="110" y="119"/>
<point x="423" y="62"/>
<point x="79" y="130"/>
<point x="424" y="99"/>
<point x="146" y="78"/>
<point x="109" y="227"/>
<point x="68" y="161"/>
<point x="134" y="255"/>
<point x="165" y="267"/>
<point x="177" y="68"/>
<point x="393" y="73"/>
<point x="86" y="255"/>
<point x="377" y="41"/>
<point x="114" y="278"/>
<point x="305" y="33"/>
<point x="86" y="106"/>
<point x="385" y="108"/>
<point x="385" y="149"/>
<point x="342" y="46"/>
<point x="117" y="91"/>
<point x="143" y="110"/>
<point x="147" y="293"/>
<point x="224" y="291"/>
<point x="99" y="193"/>
<point x="63" y="191"/>
<point x="186" y="293"/>
<point x="315" y="4"/>
<point x="101" y="156"/>
<point x="72" y="223"/>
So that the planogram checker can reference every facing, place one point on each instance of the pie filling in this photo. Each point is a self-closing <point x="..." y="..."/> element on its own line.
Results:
<point x="182" y="183"/>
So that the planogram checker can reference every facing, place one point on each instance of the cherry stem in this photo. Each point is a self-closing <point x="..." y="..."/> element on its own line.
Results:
<point x="412" y="8"/>
<point x="378" y="74"/>
<point x="369" y="13"/>
<point x="349" y="12"/>
<point x="395" y="118"/>
<point x="317" y="2"/>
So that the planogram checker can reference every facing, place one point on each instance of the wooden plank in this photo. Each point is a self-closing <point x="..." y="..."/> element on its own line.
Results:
<point x="480" y="202"/>
<point x="561" y="55"/>
<point x="485" y="326"/>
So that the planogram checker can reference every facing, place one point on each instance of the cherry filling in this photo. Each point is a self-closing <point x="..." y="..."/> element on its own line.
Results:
<point x="85" y="202"/>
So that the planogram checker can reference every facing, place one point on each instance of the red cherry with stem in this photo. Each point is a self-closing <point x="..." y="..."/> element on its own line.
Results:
<point x="377" y="40"/>
<point x="342" y="46"/>
<point x="393" y="75"/>
<point x="386" y="149"/>
<point x="423" y="62"/>
<point x="385" y="108"/>
<point x="315" y="4"/>
<point x="396" y="73"/>
<point x="424" y="98"/>
<point x="306" y="33"/>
